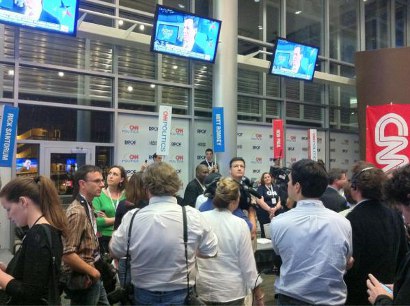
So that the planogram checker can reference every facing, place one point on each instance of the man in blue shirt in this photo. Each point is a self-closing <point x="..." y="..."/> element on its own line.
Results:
<point x="314" y="243"/>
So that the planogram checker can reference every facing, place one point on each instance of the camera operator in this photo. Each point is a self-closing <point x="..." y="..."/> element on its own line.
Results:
<point x="248" y="196"/>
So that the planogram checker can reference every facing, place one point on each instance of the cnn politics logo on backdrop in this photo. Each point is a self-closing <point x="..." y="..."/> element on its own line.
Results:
<point x="387" y="133"/>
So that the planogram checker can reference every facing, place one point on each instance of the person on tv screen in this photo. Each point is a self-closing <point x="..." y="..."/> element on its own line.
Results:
<point x="190" y="33"/>
<point x="34" y="10"/>
<point x="297" y="60"/>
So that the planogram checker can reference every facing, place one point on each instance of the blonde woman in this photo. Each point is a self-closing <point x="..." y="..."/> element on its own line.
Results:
<point x="228" y="277"/>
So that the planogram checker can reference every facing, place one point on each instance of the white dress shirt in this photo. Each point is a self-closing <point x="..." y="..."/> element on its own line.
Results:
<point x="157" y="244"/>
<point x="232" y="273"/>
<point x="314" y="244"/>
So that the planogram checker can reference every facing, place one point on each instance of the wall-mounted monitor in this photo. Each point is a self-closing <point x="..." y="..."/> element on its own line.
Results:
<point x="26" y="165"/>
<point x="185" y="34"/>
<point x="58" y="16"/>
<point x="294" y="60"/>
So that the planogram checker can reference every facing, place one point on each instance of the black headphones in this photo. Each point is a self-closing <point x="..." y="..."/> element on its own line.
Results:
<point x="355" y="177"/>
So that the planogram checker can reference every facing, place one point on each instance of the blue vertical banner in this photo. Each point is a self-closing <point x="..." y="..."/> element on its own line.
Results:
<point x="8" y="117"/>
<point x="218" y="129"/>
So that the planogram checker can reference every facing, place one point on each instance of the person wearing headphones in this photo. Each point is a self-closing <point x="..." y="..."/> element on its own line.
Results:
<point x="379" y="242"/>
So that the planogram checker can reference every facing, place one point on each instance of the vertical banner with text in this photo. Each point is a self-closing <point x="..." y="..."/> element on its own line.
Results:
<point x="278" y="141"/>
<point x="387" y="135"/>
<point x="218" y="129"/>
<point x="164" y="130"/>
<point x="312" y="141"/>
<point x="8" y="117"/>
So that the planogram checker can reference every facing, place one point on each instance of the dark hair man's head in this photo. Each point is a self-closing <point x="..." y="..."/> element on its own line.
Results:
<point x="237" y="168"/>
<point x="337" y="178"/>
<point x="88" y="181"/>
<point x="397" y="188"/>
<point x="367" y="182"/>
<point x="308" y="179"/>
<point x="209" y="154"/>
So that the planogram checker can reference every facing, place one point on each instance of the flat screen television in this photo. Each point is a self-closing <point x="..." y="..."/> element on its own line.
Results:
<point x="26" y="165"/>
<point x="185" y="34"/>
<point x="57" y="16"/>
<point x="294" y="60"/>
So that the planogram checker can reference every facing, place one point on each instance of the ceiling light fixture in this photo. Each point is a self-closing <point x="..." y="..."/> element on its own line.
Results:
<point x="141" y="27"/>
<point x="60" y="74"/>
<point x="120" y="23"/>
<point x="298" y="12"/>
<point x="10" y="72"/>
<point x="130" y="88"/>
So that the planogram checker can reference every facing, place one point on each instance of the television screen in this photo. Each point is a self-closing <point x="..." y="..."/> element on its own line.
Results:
<point x="294" y="60"/>
<point x="185" y="34"/>
<point x="26" y="165"/>
<point x="71" y="165"/>
<point x="58" y="16"/>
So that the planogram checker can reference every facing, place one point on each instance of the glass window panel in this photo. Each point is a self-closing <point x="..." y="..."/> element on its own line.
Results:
<point x="7" y="34"/>
<point x="136" y="95"/>
<point x="98" y="19"/>
<point x="175" y="69"/>
<point x="273" y="110"/>
<point x="305" y="115"/>
<point x="177" y="97"/>
<point x="343" y="29"/>
<point x="63" y="124"/>
<point x="376" y="27"/>
<point x="136" y="62"/>
<point x="272" y="85"/>
<point x="203" y="8"/>
<point x="343" y="118"/>
<point x="64" y="87"/>
<point x="6" y="81"/>
<point x="139" y="24"/>
<point x="313" y="92"/>
<point x="178" y="4"/>
<point x="249" y="108"/>
<point x="252" y="21"/>
<point x="203" y="76"/>
<point x="304" y="21"/>
<point x="272" y="20"/>
<point x="100" y="56"/>
<point x="292" y="88"/>
<point x="401" y="22"/>
<point x="342" y="70"/>
<point x="342" y="96"/>
<point x="203" y="100"/>
<point x="146" y="6"/>
<point x="249" y="81"/>
<point x="31" y="152"/>
<point x="47" y="48"/>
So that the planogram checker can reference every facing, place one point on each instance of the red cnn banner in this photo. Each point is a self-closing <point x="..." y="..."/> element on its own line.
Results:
<point x="387" y="135"/>
<point x="278" y="141"/>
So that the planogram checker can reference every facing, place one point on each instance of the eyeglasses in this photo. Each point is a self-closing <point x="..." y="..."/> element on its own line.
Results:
<point x="98" y="181"/>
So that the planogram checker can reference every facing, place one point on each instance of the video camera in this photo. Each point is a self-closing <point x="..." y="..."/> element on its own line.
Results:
<point x="281" y="175"/>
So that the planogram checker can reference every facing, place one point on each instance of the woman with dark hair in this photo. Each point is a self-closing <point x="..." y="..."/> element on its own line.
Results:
<point x="106" y="204"/>
<point x="135" y="197"/>
<point x="33" y="202"/>
<point x="397" y="191"/>
<point x="270" y="194"/>
<point x="227" y="278"/>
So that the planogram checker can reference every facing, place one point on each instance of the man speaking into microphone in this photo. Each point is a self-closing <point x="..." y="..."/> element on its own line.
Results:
<point x="249" y="197"/>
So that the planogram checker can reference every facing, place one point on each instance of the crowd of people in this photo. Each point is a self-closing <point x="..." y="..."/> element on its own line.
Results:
<point x="334" y="240"/>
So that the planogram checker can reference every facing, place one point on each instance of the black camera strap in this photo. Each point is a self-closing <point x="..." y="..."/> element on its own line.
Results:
<point x="127" y="256"/>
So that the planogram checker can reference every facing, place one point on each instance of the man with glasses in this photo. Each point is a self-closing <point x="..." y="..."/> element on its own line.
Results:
<point x="82" y="280"/>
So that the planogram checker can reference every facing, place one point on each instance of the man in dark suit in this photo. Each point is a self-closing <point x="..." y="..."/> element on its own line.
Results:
<point x="195" y="187"/>
<point x="331" y="198"/>
<point x="379" y="242"/>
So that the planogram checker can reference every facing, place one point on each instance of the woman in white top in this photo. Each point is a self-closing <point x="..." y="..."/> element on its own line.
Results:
<point x="230" y="276"/>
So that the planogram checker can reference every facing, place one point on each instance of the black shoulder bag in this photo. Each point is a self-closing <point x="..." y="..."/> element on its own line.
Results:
<point x="125" y="294"/>
<point x="191" y="298"/>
